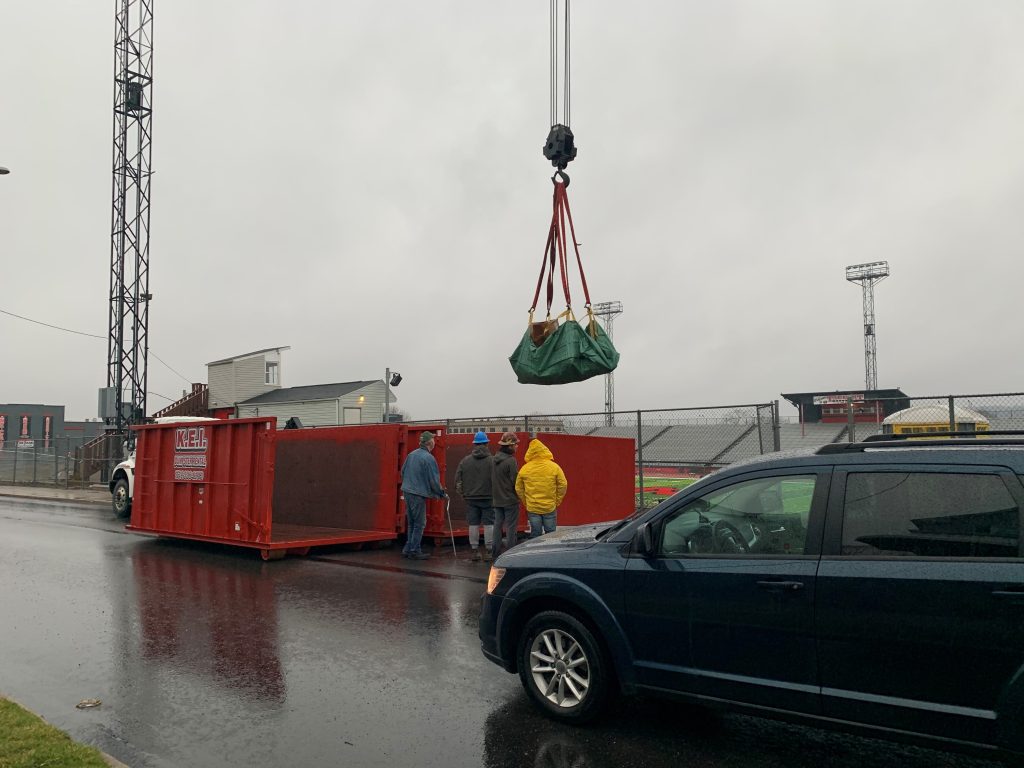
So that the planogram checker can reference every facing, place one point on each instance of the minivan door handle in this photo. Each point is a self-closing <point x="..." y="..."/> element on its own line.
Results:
<point x="1009" y="594"/>
<point x="781" y="586"/>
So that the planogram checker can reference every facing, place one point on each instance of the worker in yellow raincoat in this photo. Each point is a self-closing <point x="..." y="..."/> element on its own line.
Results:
<point x="541" y="485"/>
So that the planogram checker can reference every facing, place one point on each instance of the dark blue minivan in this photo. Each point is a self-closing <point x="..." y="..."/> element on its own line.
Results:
<point x="874" y="586"/>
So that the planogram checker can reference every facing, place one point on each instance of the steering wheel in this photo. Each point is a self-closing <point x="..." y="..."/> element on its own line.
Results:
<point x="728" y="539"/>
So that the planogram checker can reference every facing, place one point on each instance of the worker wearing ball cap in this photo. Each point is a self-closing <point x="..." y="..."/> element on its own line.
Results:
<point x="503" y="492"/>
<point x="421" y="480"/>
<point x="473" y="482"/>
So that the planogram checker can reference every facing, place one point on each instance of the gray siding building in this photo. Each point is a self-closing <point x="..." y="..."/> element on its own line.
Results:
<point x="242" y="377"/>
<point x="351" y="402"/>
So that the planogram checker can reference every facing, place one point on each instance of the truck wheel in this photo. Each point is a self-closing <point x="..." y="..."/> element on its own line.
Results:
<point x="120" y="499"/>
<point x="563" y="668"/>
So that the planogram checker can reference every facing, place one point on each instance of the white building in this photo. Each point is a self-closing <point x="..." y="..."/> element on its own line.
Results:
<point x="250" y="385"/>
<point x="235" y="379"/>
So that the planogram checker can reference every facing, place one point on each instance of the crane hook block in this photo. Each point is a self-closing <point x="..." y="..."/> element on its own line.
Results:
<point x="560" y="148"/>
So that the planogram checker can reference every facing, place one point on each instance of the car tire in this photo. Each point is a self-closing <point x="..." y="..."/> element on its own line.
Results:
<point x="121" y="501"/>
<point x="563" y="668"/>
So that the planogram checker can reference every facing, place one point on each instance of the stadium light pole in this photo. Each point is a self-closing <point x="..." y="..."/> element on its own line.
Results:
<point x="868" y="275"/>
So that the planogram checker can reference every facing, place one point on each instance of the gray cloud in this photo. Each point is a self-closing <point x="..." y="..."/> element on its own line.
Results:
<point x="367" y="187"/>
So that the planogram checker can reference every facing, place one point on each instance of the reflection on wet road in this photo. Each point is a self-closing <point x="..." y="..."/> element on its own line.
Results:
<point x="208" y="657"/>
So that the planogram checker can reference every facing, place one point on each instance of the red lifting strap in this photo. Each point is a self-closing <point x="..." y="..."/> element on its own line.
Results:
<point x="556" y="248"/>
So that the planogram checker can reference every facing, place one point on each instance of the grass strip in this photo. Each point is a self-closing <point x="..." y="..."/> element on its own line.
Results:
<point x="27" y="741"/>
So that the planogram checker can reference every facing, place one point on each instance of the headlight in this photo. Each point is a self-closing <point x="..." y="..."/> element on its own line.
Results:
<point x="494" y="579"/>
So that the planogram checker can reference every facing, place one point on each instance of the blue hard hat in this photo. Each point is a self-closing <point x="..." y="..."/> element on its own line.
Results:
<point x="480" y="438"/>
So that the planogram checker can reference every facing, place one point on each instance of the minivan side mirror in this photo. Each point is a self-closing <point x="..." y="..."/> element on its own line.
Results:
<point x="645" y="540"/>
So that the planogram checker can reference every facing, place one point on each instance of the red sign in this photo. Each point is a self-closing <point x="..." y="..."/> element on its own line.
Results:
<point x="3" y="428"/>
<point x="47" y="423"/>
<point x="24" y="426"/>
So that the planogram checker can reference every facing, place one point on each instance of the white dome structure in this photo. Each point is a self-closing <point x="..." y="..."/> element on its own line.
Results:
<point x="933" y="413"/>
<point x="933" y="417"/>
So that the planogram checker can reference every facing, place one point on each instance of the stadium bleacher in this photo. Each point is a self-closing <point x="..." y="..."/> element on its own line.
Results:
<point x="793" y="436"/>
<point x="693" y="443"/>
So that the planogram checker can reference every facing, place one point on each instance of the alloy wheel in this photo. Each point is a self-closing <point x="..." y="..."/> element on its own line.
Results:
<point x="560" y="668"/>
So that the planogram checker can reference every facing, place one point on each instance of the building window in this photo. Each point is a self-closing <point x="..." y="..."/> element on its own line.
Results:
<point x="271" y="373"/>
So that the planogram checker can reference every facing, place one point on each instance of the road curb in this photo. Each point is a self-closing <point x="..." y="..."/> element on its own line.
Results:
<point x="64" y="499"/>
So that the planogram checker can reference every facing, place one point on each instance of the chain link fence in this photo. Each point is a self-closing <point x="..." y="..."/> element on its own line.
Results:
<point x="63" y="462"/>
<point x="858" y="418"/>
<point x="673" y="447"/>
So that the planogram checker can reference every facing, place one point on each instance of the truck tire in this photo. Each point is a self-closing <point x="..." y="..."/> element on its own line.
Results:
<point x="120" y="500"/>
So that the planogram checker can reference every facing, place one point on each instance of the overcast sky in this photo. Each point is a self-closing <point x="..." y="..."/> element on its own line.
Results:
<point x="364" y="183"/>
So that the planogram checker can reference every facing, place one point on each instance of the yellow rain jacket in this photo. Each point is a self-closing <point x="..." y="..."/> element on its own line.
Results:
<point x="541" y="483"/>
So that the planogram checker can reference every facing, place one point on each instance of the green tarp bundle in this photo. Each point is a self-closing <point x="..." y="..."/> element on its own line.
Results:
<point x="568" y="354"/>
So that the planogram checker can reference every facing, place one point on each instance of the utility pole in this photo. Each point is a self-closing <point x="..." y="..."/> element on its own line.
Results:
<point x="608" y="310"/>
<point x="128" y="344"/>
<point x="868" y="275"/>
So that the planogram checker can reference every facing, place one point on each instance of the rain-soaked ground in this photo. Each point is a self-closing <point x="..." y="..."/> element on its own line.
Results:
<point x="209" y="657"/>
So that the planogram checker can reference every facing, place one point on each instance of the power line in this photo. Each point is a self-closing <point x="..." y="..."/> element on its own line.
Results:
<point x="154" y="354"/>
<point x="95" y="336"/>
<point x="55" y="327"/>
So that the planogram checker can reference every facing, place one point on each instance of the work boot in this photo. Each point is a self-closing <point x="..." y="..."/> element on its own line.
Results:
<point x="487" y="555"/>
<point x="419" y="556"/>
<point x="476" y="555"/>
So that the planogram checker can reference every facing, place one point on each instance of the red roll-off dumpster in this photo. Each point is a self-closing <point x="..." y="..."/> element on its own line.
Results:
<point x="242" y="482"/>
<point x="206" y="480"/>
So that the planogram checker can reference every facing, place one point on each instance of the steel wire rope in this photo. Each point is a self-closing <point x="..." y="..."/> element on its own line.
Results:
<point x="553" y="61"/>
<point x="566" y="67"/>
<point x="93" y="336"/>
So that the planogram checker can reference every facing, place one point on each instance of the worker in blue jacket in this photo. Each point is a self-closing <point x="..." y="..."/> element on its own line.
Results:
<point x="421" y="480"/>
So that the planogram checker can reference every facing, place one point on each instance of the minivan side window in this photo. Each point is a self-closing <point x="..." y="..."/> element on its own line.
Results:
<point x="767" y="516"/>
<point x="929" y="514"/>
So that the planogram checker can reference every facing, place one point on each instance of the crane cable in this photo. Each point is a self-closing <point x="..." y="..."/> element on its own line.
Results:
<point x="560" y="146"/>
<point x="566" y="65"/>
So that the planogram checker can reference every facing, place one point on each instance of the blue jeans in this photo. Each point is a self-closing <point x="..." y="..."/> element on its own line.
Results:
<point x="546" y="520"/>
<point x="510" y="517"/>
<point x="416" y="521"/>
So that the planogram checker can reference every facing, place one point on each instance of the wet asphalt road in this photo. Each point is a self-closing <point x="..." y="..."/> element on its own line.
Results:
<point x="209" y="657"/>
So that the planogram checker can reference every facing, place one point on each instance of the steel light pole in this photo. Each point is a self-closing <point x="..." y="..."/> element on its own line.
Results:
<point x="390" y="380"/>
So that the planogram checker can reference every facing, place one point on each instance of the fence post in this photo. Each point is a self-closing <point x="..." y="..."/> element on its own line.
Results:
<point x="776" y="428"/>
<point x="851" y="424"/>
<point x="526" y="426"/>
<point x="14" y="477"/>
<point x="952" y="415"/>
<point x="56" y="468"/>
<point x="35" y="460"/>
<point x="760" y="432"/>
<point x="640" y="456"/>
